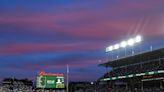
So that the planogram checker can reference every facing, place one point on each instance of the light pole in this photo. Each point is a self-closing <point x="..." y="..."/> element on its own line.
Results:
<point x="117" y="46"/>
<point x="123" y="44"/>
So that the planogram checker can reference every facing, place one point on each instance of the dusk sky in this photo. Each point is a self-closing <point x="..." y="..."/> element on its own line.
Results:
<point x="46" y="35"/>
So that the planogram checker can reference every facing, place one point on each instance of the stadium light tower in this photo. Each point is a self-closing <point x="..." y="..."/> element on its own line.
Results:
<point x="124" y="44"/>
<point x="116" y="47"/>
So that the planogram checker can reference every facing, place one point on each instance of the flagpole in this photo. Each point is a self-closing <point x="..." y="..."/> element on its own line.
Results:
<point x="67" y="78"/>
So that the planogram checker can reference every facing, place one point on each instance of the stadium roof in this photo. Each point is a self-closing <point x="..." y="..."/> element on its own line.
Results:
<point x="138" y="58"/>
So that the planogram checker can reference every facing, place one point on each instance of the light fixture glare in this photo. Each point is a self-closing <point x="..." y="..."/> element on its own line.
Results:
<point x="116" y="46"/>
<point x="138" y="39"/>
<point x="110" y="48"/>
<point x="131" y="42"/>
<point x="123" y="44"/>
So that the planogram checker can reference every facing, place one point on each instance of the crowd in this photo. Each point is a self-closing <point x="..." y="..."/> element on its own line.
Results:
<point x="136" y="68"/>
<point x="15" y="85"/>
<point x="132" y="69"/>
<point x="44" y="90"/>
<point x="136" y="90"/>
<point x="22" y="85"/>
<point x="15" y="88"/>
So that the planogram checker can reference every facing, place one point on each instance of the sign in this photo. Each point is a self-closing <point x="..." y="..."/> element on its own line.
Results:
<point x="133" y="75"/>
<point x="50" y="81"/>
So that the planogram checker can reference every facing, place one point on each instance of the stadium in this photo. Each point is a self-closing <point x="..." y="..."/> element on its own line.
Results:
<point x="137" y="72"/>
<point x="143" y="72"/>
<point x="81" y="45"/>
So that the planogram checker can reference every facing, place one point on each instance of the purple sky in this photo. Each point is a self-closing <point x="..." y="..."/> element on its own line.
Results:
<point x="47" y="35"/>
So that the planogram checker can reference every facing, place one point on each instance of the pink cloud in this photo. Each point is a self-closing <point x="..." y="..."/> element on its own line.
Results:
<point x="94" y="26"/>
<point x="114" y="21"/>
<point x="46" y="47"/>
<point x="80" y="63"/>
<point x="47" y="21"/>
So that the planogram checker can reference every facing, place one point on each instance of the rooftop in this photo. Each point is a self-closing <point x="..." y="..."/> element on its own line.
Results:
<point x="133" y="59"/>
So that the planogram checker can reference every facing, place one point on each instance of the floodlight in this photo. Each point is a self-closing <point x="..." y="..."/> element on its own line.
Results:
<point x="110" y="48"/>
<point x="138" y="39"/>
<point x="116" y="46"/>
<point x="107" y="49"/>
<point x="123" y="44"/>
<point x="131" y="42"/>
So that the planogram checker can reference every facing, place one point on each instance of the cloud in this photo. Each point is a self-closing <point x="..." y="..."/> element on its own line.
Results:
<point x="86" y="23"/>
<point x="76" y="34"/>
<point x="27" y="48"/>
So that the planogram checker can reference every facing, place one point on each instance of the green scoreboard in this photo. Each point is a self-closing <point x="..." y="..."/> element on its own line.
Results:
<point x="50" y="81"/>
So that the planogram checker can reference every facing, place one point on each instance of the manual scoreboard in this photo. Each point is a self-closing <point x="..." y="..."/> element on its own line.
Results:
<point x="50" y="80"/>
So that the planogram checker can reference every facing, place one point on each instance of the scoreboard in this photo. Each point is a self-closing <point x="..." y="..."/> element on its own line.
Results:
<point x="50" y="80"/>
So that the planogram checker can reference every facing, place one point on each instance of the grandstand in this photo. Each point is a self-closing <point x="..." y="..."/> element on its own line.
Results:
<point x="143" y="72"/>
<point x="79" y="86"/>
<point x="16" y="85"/>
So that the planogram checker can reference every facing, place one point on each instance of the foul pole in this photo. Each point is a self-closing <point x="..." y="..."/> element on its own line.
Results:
<point x="67" y="78"/>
